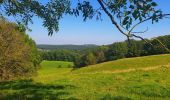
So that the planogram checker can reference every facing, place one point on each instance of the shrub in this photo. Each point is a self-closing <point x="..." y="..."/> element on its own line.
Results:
<point x="18" y="53"/>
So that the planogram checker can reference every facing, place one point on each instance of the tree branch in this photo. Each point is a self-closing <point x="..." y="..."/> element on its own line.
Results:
<point x="147" y="20"/>
<point x="162" y="44"/>
<point x="142" y="39"/>
<point x="141" y="31"/>
<point x="111" y="17"/>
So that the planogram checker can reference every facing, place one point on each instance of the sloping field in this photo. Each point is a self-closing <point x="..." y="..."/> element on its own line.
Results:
<point x="128" y="63"/>
<point x="141" y="78"/>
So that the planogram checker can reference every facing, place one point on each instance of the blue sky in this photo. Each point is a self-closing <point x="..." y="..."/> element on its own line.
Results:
<point x="75" y="31"/>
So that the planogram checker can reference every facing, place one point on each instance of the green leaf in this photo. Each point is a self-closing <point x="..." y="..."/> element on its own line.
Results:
<point x="127" y="13"/>
<point x="130" y="21"/>
<point x="131" y="1"/>
<point x="131" y="6"/>
<point x="140" y="18"/>
<point x="125" y="21"/>
<point x="135" y="14"/>
<point x="148" y="0"/>
<point x="154" y="4"/>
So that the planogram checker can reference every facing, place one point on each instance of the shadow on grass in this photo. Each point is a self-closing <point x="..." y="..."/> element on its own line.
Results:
<point x="29" y="90"/>
<point x="110" y="97"/>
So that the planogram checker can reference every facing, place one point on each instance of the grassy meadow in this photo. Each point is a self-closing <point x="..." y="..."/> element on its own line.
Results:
<point x="141" y="78"/>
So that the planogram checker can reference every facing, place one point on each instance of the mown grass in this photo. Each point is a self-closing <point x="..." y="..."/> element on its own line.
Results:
<point x="65" y="83"/>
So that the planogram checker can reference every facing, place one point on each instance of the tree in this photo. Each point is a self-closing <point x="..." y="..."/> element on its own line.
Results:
<point x="136" y="48"/>
<point x="89" y="59"/>
<point x="78" y="62"/>
<point x="60" y="55"/>
<point x="117" y="50"/>
<point x="18" y="53"/>
<point x="100" y="53"/>
<point x="160" y="45"/>
<point x="125" y="15"/>
<point x="100" y="56"/>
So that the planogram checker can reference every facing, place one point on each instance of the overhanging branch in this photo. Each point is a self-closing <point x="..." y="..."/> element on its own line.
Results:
<point x="141" y="31"/>
<point x="111" y="17"/>
<point x="162" y="44"/>
<point x="136" y="36"/>
<point x="164" y="15"/>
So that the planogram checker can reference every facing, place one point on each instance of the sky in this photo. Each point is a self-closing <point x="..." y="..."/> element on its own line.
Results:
<point x="75" y="31"/>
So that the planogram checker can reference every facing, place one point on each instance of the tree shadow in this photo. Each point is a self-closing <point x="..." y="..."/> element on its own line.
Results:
<point x="110" y="97"/>
<point x="29" y="90"/>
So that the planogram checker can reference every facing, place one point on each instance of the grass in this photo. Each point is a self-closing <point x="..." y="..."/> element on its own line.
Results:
<point x="85" y="84"/>
<point x="56" y="64"/>
<point x="127" y="63"/>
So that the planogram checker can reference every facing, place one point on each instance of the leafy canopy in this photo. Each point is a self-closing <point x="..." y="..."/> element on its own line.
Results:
<point x="124" y="14"/>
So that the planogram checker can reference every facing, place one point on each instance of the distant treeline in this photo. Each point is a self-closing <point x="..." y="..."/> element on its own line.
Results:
<point x="68" y="47"/>
<point x="114" y="51"/>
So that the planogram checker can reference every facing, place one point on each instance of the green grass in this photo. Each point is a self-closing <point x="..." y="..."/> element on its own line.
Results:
<point x="56" y="64"/>
<point x="138" y="62"/>
<point x="92" y="83"/>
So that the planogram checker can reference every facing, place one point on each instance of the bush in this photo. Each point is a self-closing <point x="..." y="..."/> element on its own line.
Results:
<point x="18" y="53"/>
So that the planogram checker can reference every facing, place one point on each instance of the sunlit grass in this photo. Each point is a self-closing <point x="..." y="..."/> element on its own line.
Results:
<point x="138" y="62"/>
<point x="85" y="84"/>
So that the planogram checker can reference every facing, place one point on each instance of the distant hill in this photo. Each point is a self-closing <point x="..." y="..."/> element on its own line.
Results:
<point x="68" y="47"/>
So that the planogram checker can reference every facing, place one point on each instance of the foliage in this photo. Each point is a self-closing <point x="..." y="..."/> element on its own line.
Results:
<point x="89" y="59"/>
<point x="117" y="50"/>
<point x="68" y="47"/>
<point x="99" y="53"/>
<point x="18" y="54"/>
<point x="24" y="10"/>
<point x="111" y="52"/>
<point x="124" y="14"/>
<point x="157" y="47"/>
<point x="59" y="55"/>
